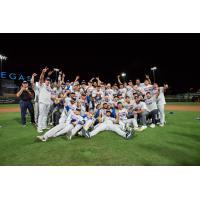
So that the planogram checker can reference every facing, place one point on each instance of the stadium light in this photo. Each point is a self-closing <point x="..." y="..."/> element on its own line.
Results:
<point x="2" y="58"/>
<point x="123" y="74"/>
<point x="153" y="69"/>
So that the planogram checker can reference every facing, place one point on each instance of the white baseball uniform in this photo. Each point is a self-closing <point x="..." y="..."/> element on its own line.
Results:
<point x="108" y="125"/>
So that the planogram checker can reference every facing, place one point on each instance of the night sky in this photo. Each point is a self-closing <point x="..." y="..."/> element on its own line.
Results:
<point x="177" y="56"/>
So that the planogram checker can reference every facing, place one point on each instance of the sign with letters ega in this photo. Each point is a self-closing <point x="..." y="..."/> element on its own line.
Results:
<point x="14" y="76"/>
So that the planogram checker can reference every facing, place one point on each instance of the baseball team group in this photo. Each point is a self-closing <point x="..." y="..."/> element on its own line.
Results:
<point x="62" y="107"/>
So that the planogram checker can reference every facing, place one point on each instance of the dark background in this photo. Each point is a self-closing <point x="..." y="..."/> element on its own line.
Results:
<point x="106" y="55"/>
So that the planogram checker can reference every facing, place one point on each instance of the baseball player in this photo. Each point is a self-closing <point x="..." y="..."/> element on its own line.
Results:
<point x="35" y="87"/>
<point x="109" y="124"/>
<point x="141" y="111"/>
<point x="161" y="102"/>
<point x="70" y="126"/>
<point x="45" y="100"/>
<point x="124" y="122"/>
<point x="152" y="108"/>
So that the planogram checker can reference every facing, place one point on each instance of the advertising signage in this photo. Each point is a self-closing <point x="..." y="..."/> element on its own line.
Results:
<point x="14" y="76"/>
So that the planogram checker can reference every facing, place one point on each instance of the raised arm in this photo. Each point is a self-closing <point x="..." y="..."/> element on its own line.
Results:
<point x="91" y="79"/>
<point x="98" y="81"/>
<point x="77" y="78"/>
<point x="42" y="75"/>
<point x="118" y="79"/>
<point x="33" y="80"/>
<point x="147" y="77"/>
<point x="63" y="78"/>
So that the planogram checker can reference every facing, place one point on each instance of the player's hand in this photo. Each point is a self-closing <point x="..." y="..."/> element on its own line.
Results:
<point x="74" y="123"/>
<point x="97" y="78"/>
<point x="45" y="70"/>
<point x="147" y="76"/>
<point x="34" y="74"/>
<point x="118" y="76"/>
<point x="49" y="73"/>
<point x="166" y="86"/>
<point x="63" y="75"/>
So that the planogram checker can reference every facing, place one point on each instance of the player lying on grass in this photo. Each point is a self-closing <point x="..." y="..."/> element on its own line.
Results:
<point x="73" y="123"/>
<point x="108" y="123"/>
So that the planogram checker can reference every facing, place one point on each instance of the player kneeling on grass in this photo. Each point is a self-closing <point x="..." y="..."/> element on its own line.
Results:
<point x="141" y="112"/>
<point x="107" y="123"/>
<point x="152" y="108"/>
<point x="70" y="127"/>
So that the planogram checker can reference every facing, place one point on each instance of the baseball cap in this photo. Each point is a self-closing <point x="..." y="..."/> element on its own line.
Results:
<point x="108" y="111"/>
<point x="130" y="81"/>
<point x="76" y="83"/>
<point x="120" y="94"/>
<point x="47" y="79"/>
<point x="73" y="99"/>
<point x="67" y="81"/>
<point x="78" y="109"/>
<point x="83" y="82"/>
<point x="83" y="94"/>
<point x="24" y="82"/>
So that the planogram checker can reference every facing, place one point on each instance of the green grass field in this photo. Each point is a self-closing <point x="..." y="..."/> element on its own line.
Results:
<point x="178" y="143"/>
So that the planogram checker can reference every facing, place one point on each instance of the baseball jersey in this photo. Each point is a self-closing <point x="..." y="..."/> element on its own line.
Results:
<point x="108" y="120"/>
<point x="151" y="103"/>
<point x="122" y="114"/>
<point x="161" y="97"/>
<point x="45" y="94"/>
<point x="140" y="106"/>
<point x="123" y="91"/>
<point x="148" y="88"/>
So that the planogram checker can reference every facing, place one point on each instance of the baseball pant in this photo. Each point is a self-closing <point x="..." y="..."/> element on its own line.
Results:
<point x="88" y="124"/>
<point x="24" y="105"/>
<point x="107" y="127"/>
<point x="52" y="132"/>
<point x="69" y="128"/>
<point x="132" y="122"/>
<point x="36" y="108"/>
<point x="43" y="114"/>
<point x="161" y="109"/>
<point x="153" y="115"/>
<point x="143" y="117"/>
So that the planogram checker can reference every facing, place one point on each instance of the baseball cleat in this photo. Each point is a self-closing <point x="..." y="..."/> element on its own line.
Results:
<point x="161" y="125"/>
<point x="69" y="136"/>
<point x="152" y="126"/>
<point x="40" y="131"/>
<point x="41" y="138"/>
<point x="85" y="133"/>
<point x="80" y="133"/>
<point x="143" y="128"/>
<point x="129" y="135"/>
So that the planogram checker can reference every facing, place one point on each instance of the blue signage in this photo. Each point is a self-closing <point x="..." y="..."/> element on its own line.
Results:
<point x="14" y="76"/>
